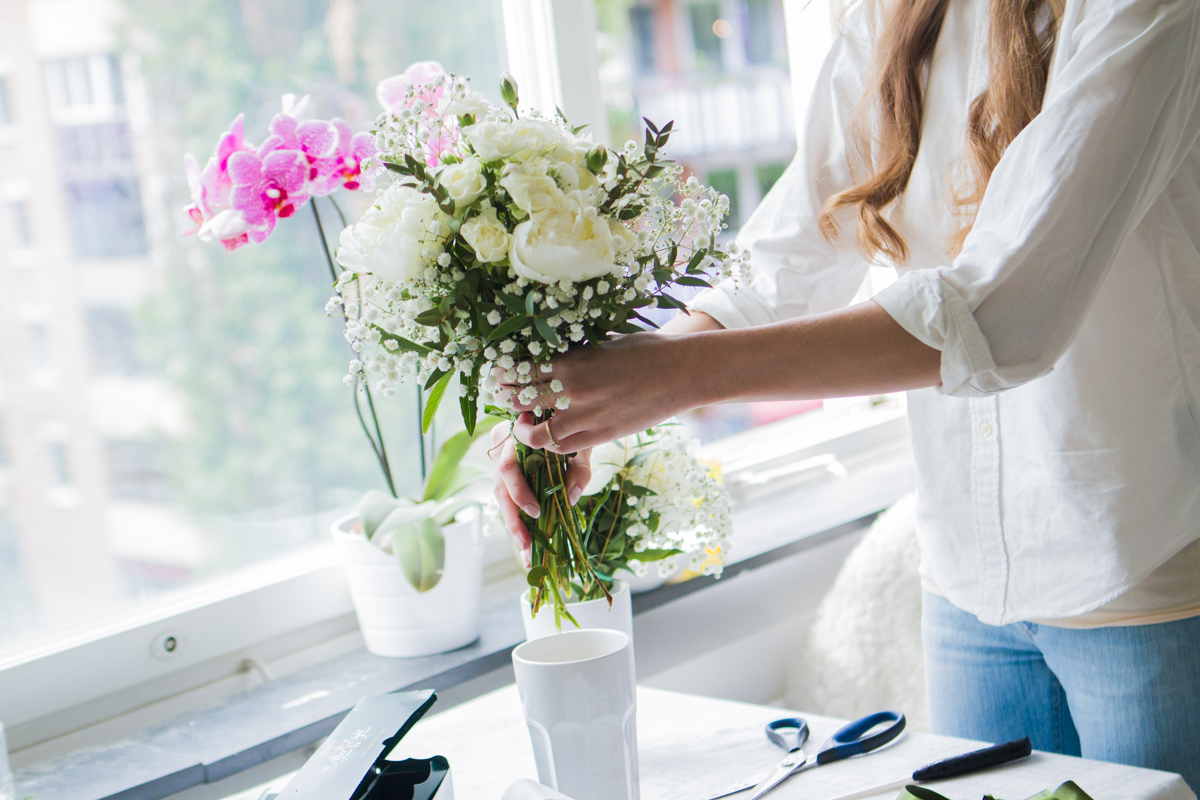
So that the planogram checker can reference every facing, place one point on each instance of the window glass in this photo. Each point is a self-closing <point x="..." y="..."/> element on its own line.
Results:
<point x="718" y="68"/>
<point x="172" y="412"/>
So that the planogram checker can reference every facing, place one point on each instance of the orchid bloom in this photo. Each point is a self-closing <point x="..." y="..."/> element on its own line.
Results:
<point x="211" y="190"/>
<point x="391" y="92"/>
<point x="242" y="190"/>
<point x="267" y="186"/>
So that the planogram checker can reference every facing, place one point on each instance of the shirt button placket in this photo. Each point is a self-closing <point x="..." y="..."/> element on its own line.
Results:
<point x="986" y="505"/>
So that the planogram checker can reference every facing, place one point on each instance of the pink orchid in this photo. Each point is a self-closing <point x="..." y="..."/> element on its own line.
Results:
<point x="211" y="190"/>
<point x="343" y="168"/>
<point x="391" y="91"/>
<point x="267" y="187"/>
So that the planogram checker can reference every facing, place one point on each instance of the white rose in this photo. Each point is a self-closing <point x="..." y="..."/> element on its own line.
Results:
<point x="487" y="236"/>
<point x="519" y="140"/>
<point x="570" y="241"/>
<point x="387" y="242"/>
<point x="469" y="102"/>
<point x="530" y="186"/>
<point x="463" y="181"/>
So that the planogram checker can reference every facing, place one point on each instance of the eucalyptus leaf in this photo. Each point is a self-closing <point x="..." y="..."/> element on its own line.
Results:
<point x="421" y="551"/>
<point x="537" y="575"/>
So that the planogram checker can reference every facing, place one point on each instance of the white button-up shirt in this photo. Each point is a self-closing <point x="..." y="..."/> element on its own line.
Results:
<point x="1059" y="461"/>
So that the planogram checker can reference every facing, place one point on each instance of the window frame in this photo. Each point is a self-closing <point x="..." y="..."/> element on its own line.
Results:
<point x="551" y="50"/>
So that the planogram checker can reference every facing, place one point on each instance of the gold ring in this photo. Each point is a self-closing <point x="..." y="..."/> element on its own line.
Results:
<point x="553" y="441"/>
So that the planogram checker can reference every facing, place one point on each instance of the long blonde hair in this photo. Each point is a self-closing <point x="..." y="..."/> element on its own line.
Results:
<point x="886" y="134"/>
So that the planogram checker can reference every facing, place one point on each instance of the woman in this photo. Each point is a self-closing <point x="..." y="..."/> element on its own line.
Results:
<point x="1031" y="167"/>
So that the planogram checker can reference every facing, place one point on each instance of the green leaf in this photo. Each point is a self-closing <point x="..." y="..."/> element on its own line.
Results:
<point x="666" y="301"/>
<point x="421" y="551"/>
<point x="435" y="400"/>
<point x="546" y="331"/>
<point x="373" y="510"/>
<point x="694" y="261"/>
<point x="515" y="304"/>
<point x="441" y="475"/>
<point x="687" y="280"/>
<point x="403" y="344"/>
<point x="469" y="404"/>
<point x="508" y="326"/>
<point x="433" y="378"/>
<point x="431" y="318"/>
<point x="537" y="575"/>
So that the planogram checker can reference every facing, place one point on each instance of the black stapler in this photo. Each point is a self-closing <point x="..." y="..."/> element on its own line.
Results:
<point x="353" y="764"/>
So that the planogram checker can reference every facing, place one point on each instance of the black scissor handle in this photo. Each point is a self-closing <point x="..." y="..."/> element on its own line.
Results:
<point x="788" y="741"/>
<point x="850" y="741"/>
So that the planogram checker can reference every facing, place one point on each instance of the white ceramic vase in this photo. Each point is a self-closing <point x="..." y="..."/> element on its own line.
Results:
<point x="397" y="620"/>
<point x="590" y="614"/>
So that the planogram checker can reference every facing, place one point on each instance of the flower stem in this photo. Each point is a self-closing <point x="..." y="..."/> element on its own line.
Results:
<point x="377" y="445"/>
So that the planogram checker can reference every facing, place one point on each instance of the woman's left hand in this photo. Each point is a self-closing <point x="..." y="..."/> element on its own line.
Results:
<point x="617" y="388"/>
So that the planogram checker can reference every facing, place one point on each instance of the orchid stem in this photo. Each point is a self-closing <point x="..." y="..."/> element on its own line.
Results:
<point x="376" y="441"/>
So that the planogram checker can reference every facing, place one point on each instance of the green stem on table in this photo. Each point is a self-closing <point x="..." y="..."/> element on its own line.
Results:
<point x="376" y="441"/>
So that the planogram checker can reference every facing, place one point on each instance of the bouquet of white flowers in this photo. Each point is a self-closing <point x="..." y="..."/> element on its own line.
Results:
<point x="506" y="238"/>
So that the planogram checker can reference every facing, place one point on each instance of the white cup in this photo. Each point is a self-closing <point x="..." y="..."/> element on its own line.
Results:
<point x="578" y="692"/>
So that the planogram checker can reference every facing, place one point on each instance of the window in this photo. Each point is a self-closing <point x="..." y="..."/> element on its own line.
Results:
<point x="767" y="174"/>
<point x="641" y="19"/>
<point x="198" y="421"/>
<point x="58" y="468"/>
<point x="138" y="470"/>
<point x="204" y="389"/>
<point x="758" y="27"/>
<point x="707" y="30"/>
<point x="20" y="231"/>
<point x="69" y="82"/>
<point x="112" y="342"/>
<point x="106" y="217"/>
<point x="39" y="348"/>
<point x="6" y="115"/>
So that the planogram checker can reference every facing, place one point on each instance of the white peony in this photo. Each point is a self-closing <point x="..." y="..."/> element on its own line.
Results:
<point x="520" y="140"/>
<point x="389" y="239"/>
<point x="463" y="181"/>
<point x="570" y="240"/>
<point x="531" y="187"/>
<point x="487" y="236"/>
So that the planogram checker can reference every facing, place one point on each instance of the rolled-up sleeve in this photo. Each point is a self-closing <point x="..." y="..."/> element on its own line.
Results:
<point x="795" y="271"/>
<point x="1120" y="116"/>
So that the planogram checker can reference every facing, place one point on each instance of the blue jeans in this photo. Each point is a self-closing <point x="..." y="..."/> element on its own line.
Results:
<point x="1129" y="695"/>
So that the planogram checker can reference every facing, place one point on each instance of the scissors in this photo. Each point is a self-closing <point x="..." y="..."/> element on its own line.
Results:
<point x="850" y="740"/>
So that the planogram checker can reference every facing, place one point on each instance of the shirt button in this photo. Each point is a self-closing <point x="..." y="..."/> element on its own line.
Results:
<point x="986" y="429"/>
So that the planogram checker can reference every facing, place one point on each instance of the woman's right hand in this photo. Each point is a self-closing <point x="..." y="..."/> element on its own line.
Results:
<point x="512" y="490"/>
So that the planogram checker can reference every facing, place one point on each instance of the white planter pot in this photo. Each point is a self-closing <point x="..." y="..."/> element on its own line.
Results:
<point x="397" y="620"/>
<point x="589" y="614"/>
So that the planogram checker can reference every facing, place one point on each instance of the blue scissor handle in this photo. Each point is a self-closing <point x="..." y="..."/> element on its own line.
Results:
<point x="849" y="741"/>
<point x="780" y="733"/>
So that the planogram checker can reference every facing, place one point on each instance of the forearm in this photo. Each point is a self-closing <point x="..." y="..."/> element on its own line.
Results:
<point x="855" y="351"/>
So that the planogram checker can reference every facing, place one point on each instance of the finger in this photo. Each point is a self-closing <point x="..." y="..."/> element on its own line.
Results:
<point x="584" y="440"/>
<point x="512" y="516"/>
<point x="579" y="473"/>
<point x="508" y="470"/>
<point x="531" y="431"/>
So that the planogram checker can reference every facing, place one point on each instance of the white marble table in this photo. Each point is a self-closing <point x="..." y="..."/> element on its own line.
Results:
<point x="689" y="744"/>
